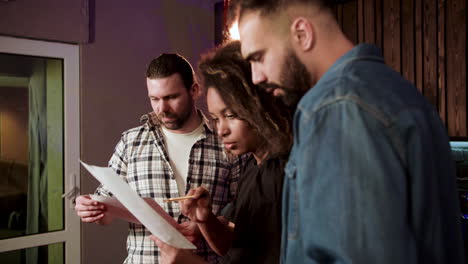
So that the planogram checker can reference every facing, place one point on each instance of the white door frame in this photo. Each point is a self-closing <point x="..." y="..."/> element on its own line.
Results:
<point x="70" y="235"/>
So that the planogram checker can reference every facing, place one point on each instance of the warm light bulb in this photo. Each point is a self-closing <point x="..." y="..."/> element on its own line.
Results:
<point x="234" y="31"/>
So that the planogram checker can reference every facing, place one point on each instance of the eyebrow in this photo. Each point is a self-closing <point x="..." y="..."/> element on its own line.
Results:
<point x="166" y="96"/>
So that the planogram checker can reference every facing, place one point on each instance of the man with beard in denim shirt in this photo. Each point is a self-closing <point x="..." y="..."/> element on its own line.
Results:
<point x="370" y="178"/>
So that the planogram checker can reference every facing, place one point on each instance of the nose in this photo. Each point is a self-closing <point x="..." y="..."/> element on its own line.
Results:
<point x="223" y="129"/>
<point x="257" y="74"/>
<point x="163" y="106"/>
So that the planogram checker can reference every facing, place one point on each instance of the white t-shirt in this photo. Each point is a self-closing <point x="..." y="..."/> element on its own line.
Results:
<point x="178" y="148"/>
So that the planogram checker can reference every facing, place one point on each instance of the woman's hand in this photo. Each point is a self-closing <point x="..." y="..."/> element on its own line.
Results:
<point x="198" y="208"/>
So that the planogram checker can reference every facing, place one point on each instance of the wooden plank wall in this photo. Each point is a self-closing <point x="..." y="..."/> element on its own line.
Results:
<point x="424" y="40"/>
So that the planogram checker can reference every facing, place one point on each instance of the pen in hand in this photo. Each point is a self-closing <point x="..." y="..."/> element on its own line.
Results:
<point x="182" y="198"/>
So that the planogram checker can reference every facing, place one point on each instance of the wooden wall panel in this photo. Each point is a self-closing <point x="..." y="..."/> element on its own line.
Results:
<point x="360" y="20"/>
<point x="369" y="21"/>
<point x="430" y="50"/>
<point x="456" y="67"/>
<point x="424" y="40"/>
<point x="379" y="23"/>
<point x="350" y="23"/>
<point x="407" y="40"/>
<point x="441" y="81"/>
<point x="391" y="34"/>
<point x="418" y="22"/>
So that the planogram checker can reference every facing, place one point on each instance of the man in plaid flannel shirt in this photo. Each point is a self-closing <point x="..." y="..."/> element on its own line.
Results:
<point x="173" y="151"/>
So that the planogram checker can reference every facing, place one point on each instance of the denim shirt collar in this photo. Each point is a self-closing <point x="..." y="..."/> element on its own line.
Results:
<point x="361" y="51"/>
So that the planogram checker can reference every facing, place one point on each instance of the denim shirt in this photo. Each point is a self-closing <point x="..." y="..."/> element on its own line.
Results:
<point x="370" y="178"/>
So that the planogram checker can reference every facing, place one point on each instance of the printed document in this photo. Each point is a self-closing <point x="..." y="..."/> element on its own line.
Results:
<point x="129" y="206"/>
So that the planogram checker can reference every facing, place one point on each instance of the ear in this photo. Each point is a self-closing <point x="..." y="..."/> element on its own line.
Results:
<point x="302" y="33"/>
<point x="195" y="90"/>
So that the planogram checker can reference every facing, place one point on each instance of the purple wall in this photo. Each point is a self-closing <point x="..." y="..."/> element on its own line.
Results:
<point x="124" y="36"/>
<point x="65" y="21"/>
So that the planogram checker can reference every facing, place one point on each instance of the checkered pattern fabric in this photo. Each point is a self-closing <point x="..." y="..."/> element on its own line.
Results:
<point x="141" y="159"/>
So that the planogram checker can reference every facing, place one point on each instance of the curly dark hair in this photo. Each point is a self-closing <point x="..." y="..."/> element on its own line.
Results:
<point x="225" y="70"/>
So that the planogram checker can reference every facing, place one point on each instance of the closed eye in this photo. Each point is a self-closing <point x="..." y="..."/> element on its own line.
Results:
<point x="255" y="56"/>
<point x="231" y="116"/>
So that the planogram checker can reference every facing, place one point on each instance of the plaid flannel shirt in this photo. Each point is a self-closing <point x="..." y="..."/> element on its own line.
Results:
<point x="141" y="159"/>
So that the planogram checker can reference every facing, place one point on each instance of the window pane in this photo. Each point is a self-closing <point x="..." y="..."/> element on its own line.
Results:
<point x="49" y="254"/>
<point x="31" y="145"/>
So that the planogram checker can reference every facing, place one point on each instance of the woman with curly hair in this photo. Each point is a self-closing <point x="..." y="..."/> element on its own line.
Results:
<point x="248" y="120"/>
<point x="227" y="74"/>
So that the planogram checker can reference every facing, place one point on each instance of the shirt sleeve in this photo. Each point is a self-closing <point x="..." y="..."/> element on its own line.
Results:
<point x="118" y="162"/>
<point x="350" y="187"/>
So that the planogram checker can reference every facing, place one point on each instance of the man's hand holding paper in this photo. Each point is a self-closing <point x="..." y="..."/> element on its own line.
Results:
<point x="90" y="211"/>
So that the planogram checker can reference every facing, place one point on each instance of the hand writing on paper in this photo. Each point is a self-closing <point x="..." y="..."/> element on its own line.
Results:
<point x="190" y="230"/>
<point x="172" y="255"/>
<point x="90" y="211"/>
<point x="199" y="208"/>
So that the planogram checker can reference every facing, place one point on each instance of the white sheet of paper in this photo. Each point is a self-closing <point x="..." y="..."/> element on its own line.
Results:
<point x="116" y="209"/>
<point x="141" y="210"/>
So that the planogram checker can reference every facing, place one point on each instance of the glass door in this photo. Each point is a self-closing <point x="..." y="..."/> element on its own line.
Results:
<point x="39" y="152"/>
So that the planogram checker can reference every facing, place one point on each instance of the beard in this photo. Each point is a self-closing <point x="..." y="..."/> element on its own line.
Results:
<point x="178" y="119"/>
<point x="295" y="80"/>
